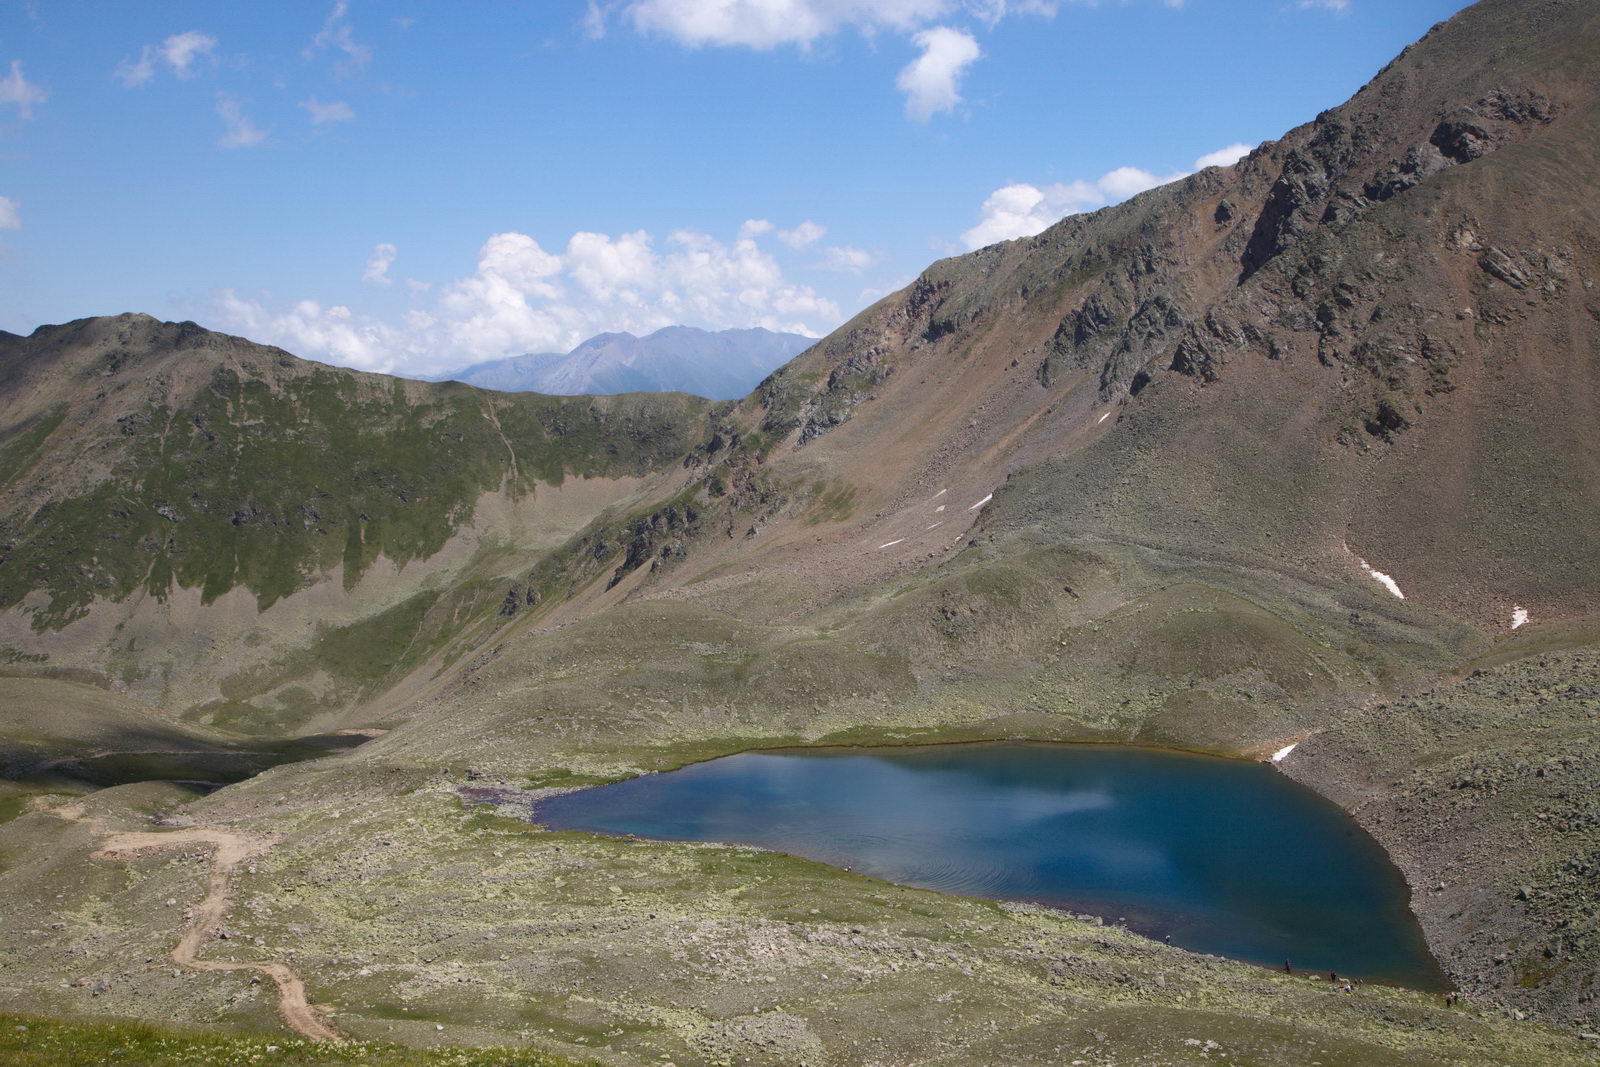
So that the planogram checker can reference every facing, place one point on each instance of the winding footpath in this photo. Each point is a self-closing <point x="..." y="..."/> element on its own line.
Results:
<point x="229" y="849"/>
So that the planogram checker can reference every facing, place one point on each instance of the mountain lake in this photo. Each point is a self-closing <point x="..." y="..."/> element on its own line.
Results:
<point x="1218" y="855"/>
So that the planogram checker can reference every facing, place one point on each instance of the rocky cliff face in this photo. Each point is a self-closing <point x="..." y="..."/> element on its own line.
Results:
<point x="1369" y="340"/>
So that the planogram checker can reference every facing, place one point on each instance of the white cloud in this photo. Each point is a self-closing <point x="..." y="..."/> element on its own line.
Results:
<point x="765" y="24"/>
<point x="1340" y="6"/>
<point x="612" y="270"/>
<point x="239" y="131"/>
<point x="769" y="23"/>
<point x="992" y="11"/>
<point x="754" y="228"/>
<point x="594" y="20"/>
<point x="322" y="114"/>
<point x="521" y="298"/>
<point x="1022" y="210"/>
<point x="135" y="72"/>
<point x="1224" y="157"/>
<point x="180" y="50"/>
<point x="10" y="214"/>
<point x="932" y="81"/>
<point x="15" y="89"/>
<point x="377" y="268"/>
<point x="1124" y="182"/>
<point x="309" y="329"/>
<point x="335" y="34"/>
<point x="803" y="235"/>
<point x="846" y="259"/>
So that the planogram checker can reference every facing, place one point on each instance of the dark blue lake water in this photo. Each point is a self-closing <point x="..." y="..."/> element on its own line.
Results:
<point x="1223" y="856"/>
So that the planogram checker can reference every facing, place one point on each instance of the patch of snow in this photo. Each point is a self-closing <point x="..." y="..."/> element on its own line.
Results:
<point x="939" y="523"/>
<point x="938" y="509"/>
<point x="1381" y="578"/>
<point x="1277" y="757"/>
<point x="940" y="493"/>
<point x="981" y="503"/>
<point x="1102" y="418"/>
<point x="891" y="544"/>
<point x="1519" y="617"/>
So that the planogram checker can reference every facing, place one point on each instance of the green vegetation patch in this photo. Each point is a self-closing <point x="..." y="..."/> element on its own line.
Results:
<point x="17" y="455"/>
<point x="26" y="1041"/>
<point x="266" y="484"/>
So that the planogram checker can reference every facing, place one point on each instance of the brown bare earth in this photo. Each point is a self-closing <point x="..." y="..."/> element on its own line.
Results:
<point x="229" y="848"/>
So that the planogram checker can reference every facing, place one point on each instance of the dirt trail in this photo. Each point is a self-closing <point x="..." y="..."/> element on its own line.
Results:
<point x="229" y="849"/>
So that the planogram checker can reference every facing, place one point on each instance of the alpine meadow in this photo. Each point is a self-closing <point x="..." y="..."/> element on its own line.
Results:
<point x="1288" y="468"/>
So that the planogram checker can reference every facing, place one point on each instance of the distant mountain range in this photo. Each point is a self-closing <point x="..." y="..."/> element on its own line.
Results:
<point x="720" y="366"/>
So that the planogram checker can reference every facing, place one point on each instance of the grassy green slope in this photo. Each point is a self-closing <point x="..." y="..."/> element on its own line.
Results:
<point x="221" y="464"/>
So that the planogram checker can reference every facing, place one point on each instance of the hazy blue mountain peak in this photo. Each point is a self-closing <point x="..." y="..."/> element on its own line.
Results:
<point x="720" y="365"/>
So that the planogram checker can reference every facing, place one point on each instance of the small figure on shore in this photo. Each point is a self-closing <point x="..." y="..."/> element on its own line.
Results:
<point x="1333" y="976"/>
<point x="1286" y="968"/>
<point x="1347" y="987"/>
<point x="1450" y="999"/>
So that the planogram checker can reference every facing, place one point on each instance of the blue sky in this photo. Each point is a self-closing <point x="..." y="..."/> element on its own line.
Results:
<point x="411" y="187"/>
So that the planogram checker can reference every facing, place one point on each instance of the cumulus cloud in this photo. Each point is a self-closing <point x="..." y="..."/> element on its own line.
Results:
<point x="15" y="89"/>
<point x="1224" y="157"/>
<point x="1340" y="6"/>
<point x="181" y="49"/>
<point x="846" y="259"/>
<point x="522" y="298"/>
<point x="336" y="35"/>
<point x="178" y="52"/>
<point x="308" y="328"/>
<point x="754" y="228"/>
<point x="1124" y="182"/>
<point x="806" y="234"/>
<point x="932" y="81"/>
<point x="322" y="114"/>
<point x="378" y="264"/>
<point x="767" y="24"/>
<point x="1022" y="210"/>
<point x="238" y="130"/>
<point x="10" y="214"/>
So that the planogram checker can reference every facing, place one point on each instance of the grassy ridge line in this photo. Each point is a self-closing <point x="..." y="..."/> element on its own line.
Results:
<point x="27" y="1041"/>
<point x="269" y="469"/>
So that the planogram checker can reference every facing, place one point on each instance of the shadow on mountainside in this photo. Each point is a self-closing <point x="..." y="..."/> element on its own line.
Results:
<point x="143" y="754"/>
